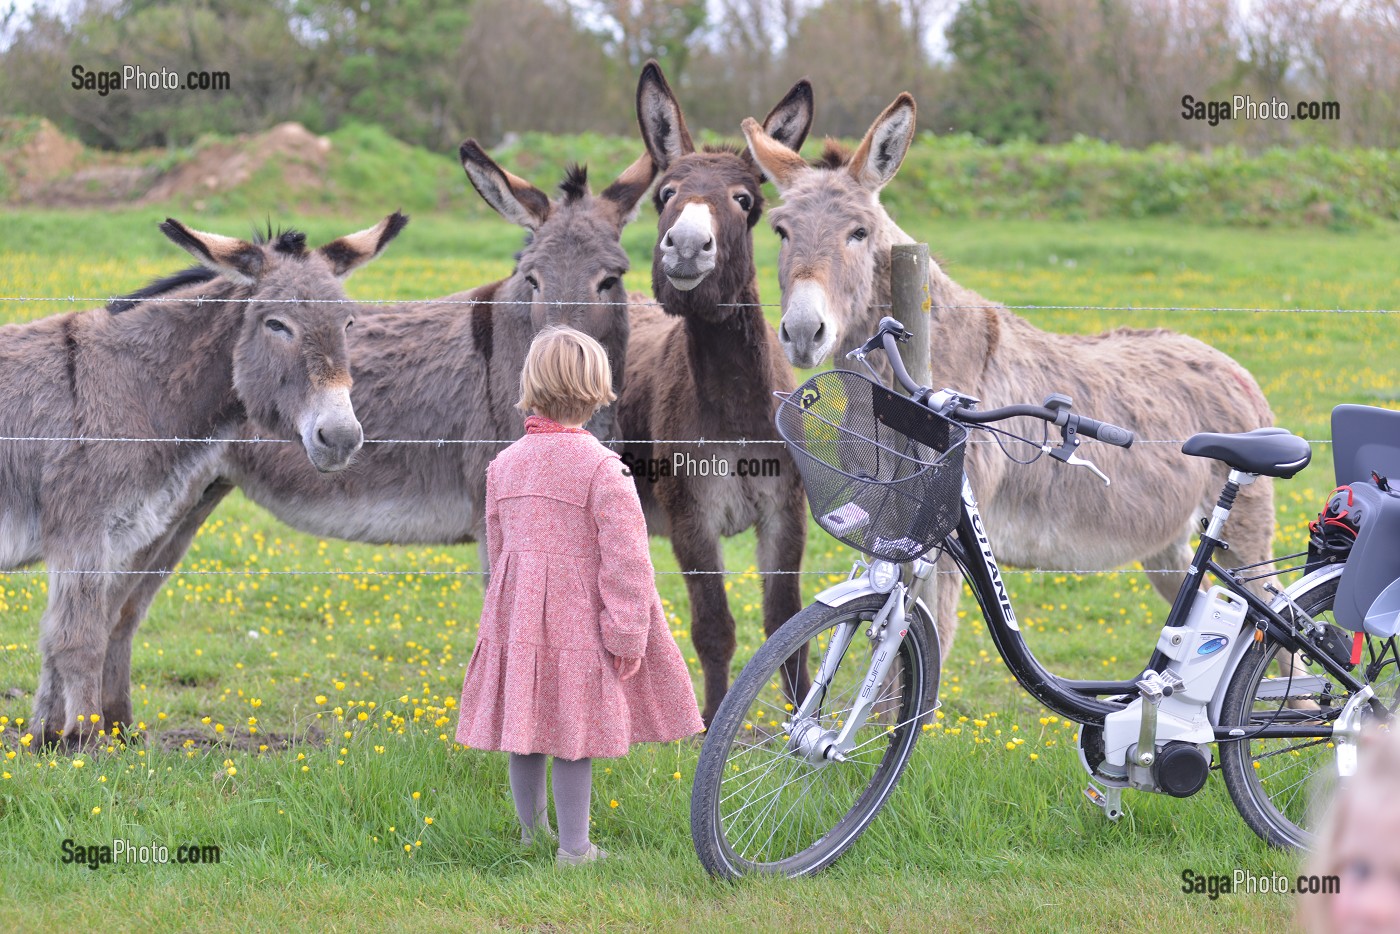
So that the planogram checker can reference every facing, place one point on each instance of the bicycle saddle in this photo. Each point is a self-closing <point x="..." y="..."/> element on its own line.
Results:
<point x="1273" y="452"/>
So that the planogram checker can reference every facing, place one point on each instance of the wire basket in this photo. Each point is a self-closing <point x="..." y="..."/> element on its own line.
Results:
<point x="883" y="473"/>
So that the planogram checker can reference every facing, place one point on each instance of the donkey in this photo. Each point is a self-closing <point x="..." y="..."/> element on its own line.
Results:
<point x="706" y="366"/>
<point x="258" y="344"/>
<point x="833" y="267"/>
<point x="444" y="369"/>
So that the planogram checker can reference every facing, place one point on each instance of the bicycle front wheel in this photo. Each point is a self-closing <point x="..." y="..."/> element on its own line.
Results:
<point x="762" y="803"/>
<point x="1276" y="782"/>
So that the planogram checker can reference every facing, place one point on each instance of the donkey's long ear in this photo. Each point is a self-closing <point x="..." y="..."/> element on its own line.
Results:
<point x="625" y="195"/>
<point x="778" y="163"/>
<point x="790" y="121"/>
<point x="354" y="250"/>
<point x="513" y="198"/>
<point x="885" y="144"/>
<point x="659" y="115"/>
<point x="236" y="260"/>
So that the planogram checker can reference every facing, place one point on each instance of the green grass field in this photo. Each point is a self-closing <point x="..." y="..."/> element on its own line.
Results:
<point x="386" y="824"/>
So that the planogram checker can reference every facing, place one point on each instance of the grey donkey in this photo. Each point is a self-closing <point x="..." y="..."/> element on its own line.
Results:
<point x="446" y="369"/>
<point x="427" y="371"/>
<point x="833" y="269"/>
<point x="254" y="344"/>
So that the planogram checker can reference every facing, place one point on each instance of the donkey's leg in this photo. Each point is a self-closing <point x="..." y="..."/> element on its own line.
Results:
<point x="948" y="591"/>
<point x="782" y="536"/>
<point x="161" y="556"/>
<point x="711" y="624"/>
<point x="46" y="719"/>
<point x="1251" y="537"/>
<point x="1250" y="530"/>
<point x="1174" y="557"/>
<point x="73" y="643"/>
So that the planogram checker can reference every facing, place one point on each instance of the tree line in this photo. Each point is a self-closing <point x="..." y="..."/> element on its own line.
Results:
<point x="434" y="72"/>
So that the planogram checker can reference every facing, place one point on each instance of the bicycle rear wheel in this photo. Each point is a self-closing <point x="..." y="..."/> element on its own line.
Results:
<point x="1276" y="782"/>
<point x="762" y="805"/>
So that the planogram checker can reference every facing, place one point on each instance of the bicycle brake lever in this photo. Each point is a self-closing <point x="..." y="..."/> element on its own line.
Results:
<point x="1074" y="460"/>
<point x="1068" y="455"/>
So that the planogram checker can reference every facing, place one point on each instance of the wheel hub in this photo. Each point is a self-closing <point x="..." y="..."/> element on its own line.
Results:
<point x="810" y="741"/>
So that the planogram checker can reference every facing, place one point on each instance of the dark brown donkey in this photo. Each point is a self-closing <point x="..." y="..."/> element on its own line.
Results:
<point x="448" y="369"/>
<point x="706" y="366"/>
<point x="197" y="366"/>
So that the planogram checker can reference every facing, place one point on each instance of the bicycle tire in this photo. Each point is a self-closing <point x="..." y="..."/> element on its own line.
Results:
<point x="722" y="840"/>
<point x="1277" y="783"/>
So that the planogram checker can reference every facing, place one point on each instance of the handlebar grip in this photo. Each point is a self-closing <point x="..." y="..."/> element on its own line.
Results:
<point x="1103" y="431"/>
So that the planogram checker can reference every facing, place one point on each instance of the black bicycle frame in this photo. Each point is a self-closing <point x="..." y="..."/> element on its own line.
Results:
<point x="1081" y="700"/>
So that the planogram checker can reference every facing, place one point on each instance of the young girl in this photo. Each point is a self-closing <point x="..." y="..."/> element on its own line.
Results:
<point x="1359" y="844"/>
<point x="573" y="659"/>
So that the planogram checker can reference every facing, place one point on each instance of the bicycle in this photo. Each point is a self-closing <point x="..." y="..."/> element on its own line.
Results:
<point x="786" y="784"/>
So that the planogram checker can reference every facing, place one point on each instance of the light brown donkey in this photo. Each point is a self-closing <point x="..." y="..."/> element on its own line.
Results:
<point x="834" y="271"/>
<point x="258" y="342"/>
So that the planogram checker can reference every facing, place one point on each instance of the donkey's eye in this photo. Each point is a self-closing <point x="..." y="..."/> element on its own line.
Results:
<point x="534" y="283"/>
<point x="348" y="323"/>
<point x="276" y="327"/>
<point x="781" y="232"/>
<point x="744" y="200"/>
<point x="860" y="233"/>
<point x="608" y="284"/>
<point x="667" y="194"/>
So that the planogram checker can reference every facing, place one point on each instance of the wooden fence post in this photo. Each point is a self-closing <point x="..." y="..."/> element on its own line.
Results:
<point x="911" y="303"/>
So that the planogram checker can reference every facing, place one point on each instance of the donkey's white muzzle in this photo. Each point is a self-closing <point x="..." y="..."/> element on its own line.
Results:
<point x="806" y="331"/>
<point x="688" y="248"/>
<point x="330" y="433"/>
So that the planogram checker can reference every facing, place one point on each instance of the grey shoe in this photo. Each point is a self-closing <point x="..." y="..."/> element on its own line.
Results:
<point x="592" y="854"/>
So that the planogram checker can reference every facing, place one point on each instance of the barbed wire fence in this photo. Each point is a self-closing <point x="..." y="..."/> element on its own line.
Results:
<point x="699" y="442"/>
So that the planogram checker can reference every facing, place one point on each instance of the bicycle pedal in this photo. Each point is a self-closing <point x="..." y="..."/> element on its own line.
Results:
<point x="1110" y="800"/>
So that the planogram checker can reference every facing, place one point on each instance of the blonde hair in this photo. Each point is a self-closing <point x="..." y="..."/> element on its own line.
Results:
<point x="1376" y="784"/>
<point x="566" y="376"/>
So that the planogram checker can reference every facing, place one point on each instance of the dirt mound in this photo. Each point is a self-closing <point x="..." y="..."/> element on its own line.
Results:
<point x="45" y="168"/>
<point x="299" y="153"/>
<point x="42" y="152"/>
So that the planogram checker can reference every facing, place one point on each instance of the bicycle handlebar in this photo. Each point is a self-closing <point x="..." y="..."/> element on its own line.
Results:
<point x="892" y="331"/>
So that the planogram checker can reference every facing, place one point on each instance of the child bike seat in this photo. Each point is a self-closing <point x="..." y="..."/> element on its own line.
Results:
<point x="1273" y="452"/>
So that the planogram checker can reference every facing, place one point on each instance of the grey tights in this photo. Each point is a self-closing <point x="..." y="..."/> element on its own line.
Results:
<point x="573" y="786"/>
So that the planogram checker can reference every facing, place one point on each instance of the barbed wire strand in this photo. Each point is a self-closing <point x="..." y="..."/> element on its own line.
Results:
<point x="260" y="572"/>
<point x="442" y="442"/>
<point x="1211" y="309"/>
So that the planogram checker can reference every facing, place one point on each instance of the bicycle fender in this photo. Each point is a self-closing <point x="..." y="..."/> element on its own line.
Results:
<point x="849" y="590"/>
<point x="1243" y="641"/>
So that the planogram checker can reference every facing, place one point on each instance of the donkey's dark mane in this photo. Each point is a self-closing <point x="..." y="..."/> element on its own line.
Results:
<point x="723" y="149"/>
<point x="190" y="276"/>
<point x="291" y="242"/>
<point x="575" y="183"/>
<point x="834" y="156"/>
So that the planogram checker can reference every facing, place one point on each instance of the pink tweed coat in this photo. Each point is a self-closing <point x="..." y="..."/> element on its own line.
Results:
<point x="571" y="587"/>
